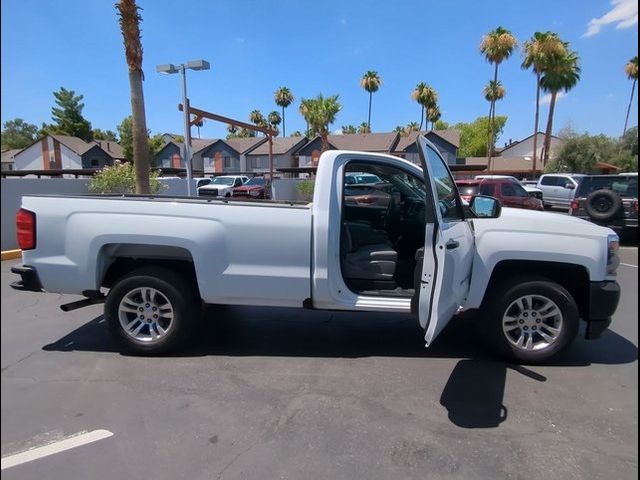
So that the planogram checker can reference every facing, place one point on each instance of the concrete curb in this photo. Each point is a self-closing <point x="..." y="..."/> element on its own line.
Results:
<point x="11" y="254"/>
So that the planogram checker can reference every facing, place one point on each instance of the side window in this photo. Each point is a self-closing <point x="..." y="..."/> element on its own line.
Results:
<point x="548" y="181"/>
<point x="237" y="183"/>
<point x="508" y="190"/>
<point x="446" y="192"/>
<point x="487" y="189"/>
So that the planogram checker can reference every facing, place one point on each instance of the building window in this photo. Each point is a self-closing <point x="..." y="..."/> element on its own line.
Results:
<point x="95" y="162"/>
<point x="228" y="162"/>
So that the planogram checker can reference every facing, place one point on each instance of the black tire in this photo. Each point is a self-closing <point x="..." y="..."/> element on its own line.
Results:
<point x="503" y="301"/>
<point x="181" y="297"/>
<point x="603" y="205"/>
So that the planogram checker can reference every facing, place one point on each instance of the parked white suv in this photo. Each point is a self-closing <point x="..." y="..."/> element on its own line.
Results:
<point x="558" y="189"/>
<point x="222" y="186"/>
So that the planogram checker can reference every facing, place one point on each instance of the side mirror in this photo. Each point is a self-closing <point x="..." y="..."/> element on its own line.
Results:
<point x="570" y="186"/>
<point x="483" y="206"/>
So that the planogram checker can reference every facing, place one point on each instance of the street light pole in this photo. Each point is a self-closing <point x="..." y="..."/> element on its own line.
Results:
<point x="182" y="70"/>
<point x="187" y="129"/>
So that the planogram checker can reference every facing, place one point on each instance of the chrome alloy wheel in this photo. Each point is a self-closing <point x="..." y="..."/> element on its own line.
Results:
<point x="532" y="322"/>
<point x="145" y="314"/>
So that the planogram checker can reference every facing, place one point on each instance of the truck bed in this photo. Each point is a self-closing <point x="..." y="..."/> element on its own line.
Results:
<point x="236" y="246"/>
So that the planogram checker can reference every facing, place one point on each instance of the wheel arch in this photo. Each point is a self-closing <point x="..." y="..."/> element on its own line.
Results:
<point x="574" y="278"/>
<point x="117" y="260"/>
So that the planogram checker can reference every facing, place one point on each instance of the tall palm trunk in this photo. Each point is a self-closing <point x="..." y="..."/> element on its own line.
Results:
<point x="369" y="116"/>
<point x="325" y="142"/>
<point x="492" y="113"/>
<point x="284" y="128"/>
<point x="421" y="117"/>
<point x="535" y="125"/>
<point x="547" y="133"/>
<point x="130" y="27"/>
<point x="489" y="134"/>
<point x="626" y="120"/>
<point x="140" y="139"/>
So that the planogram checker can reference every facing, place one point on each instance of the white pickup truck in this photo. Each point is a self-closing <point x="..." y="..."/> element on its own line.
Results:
<point x="406" y="243"/>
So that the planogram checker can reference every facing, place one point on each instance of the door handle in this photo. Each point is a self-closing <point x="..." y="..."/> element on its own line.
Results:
<point x="452" y="244"/>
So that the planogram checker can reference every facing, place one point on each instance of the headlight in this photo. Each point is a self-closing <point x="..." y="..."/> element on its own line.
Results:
<point x="613" y="260"/>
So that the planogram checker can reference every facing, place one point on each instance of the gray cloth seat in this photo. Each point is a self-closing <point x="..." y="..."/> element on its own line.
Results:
<point x="367" y="254"/>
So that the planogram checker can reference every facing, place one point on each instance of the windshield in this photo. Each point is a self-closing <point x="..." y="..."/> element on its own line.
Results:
<point x="223" y="181"/>
<point x="255" y="181"/>
<point x="361" y="178"/>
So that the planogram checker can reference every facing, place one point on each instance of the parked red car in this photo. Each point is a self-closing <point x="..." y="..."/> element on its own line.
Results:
<point x="508" y="191"/>
<point x="254" y="188"/>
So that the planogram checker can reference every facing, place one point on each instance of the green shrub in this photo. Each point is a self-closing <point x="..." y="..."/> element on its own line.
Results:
<point x="121" y="178"/>
<point x="305" y="189"/>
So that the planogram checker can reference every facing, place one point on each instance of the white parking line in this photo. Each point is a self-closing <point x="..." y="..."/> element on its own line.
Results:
<point x="629" y="265"/>
<point x="76" y="440"/>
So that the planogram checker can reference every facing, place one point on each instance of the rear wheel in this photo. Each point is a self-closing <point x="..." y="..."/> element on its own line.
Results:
<point x="151" y="311"/>
<point x="533" y="320"/>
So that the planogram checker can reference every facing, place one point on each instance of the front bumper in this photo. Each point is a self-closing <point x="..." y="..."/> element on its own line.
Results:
<point x="603" y="301"/>
<point x="29" y="280"/>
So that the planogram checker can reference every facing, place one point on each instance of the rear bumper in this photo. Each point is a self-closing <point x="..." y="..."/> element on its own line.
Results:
<point x="603" y="301"/>
<point x="29" y="280"/>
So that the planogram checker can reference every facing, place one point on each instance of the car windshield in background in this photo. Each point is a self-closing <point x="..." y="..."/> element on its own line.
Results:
<point x="223" y="181"/>
<point x="361" y="178"/>
<point x="623" y="186"/>
<point x="254" y="181"/>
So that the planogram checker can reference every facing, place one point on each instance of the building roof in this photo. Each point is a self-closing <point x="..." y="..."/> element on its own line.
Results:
<point x="513" y="144"/>
<point x="7" y="155"/>
<point x="198" y="144"/>
<point x="75" y="144"/>
<point x="281" y="145"/>
<point x="114" y="149"/>
<point x="450" y="135"/>
<point x="244" y="144"/>
<point x="368" y="142"/>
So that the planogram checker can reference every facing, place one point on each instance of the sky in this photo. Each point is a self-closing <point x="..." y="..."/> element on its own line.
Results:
<point x="314" y="47"/>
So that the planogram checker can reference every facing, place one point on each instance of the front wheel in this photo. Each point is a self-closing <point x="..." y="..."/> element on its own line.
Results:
<point x="150" y="311"/>
<point x="532" y="320"/>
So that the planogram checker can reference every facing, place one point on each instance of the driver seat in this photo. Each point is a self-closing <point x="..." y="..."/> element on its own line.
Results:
<point x="368" y="258"/>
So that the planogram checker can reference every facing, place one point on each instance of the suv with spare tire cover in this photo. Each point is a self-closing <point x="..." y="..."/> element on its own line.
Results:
<point x="608" y="200"/>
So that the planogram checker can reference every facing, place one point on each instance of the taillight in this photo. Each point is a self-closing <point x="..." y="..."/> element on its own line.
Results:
<point x="26" y="228"/>
<point x="575" y="205"/>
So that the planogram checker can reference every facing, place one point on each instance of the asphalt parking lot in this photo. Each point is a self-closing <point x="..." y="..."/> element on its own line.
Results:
<point x="279" y="393"/>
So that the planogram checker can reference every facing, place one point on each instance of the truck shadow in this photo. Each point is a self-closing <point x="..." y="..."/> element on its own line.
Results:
<point x="289" y="332"/>
<point x="473" y="395"/>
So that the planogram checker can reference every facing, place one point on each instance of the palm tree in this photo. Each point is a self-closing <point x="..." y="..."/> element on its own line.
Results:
<point x="631" y="69"/>
<point x="412" y="127"/>
<point x="257" y="118"/>
<point x="493" y="92"/>
<point x="130" y="27"/>
<point x="561" y="74"/>
<point x="371" y="82"/>
<point x="426" y="96"/>
<point x="400" y="129"/>
<point x="539" y="51"/>
<point x="433" y="115"/>
<point x="303" y="109"/>
<point x="320" y="112"/>
<point x="349" y="130"/>
<point x="283" y="98"/>
<point x="364" y="128"/>
<point x="496" y="46"/>
<point x="274" y="119"/>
